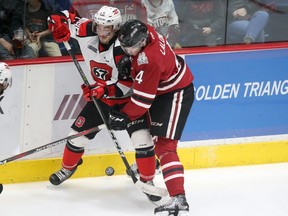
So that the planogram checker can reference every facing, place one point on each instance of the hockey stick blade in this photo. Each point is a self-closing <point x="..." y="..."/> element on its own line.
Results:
<point x="152" y="190"/>
<point x="49" y="145"/>
<point x="144" y="187"/>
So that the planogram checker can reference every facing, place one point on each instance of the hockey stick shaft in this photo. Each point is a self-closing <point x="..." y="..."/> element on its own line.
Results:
<point x="145" y="187"/>
<point x="48" y="145"/>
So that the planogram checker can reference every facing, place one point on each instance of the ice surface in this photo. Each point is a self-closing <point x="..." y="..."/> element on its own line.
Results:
<point x="259" y="190"/>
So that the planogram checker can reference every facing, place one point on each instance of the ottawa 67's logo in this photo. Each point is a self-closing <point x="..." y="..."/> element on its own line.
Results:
<point x="100" y="71"/>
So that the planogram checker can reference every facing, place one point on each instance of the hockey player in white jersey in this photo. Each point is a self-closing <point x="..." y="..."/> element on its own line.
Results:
<point x="102" y="53"/>
<point x="163" y="17"/>
<point x="5" y="77"/>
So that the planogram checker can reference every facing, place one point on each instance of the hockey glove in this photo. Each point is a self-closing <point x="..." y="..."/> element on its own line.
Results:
<point x="58" y="25"/>
<point x="124" y="68"/>
<point x="94" y="90"/>
<point x="117" y="120"/>
<point x="173" y="34"/>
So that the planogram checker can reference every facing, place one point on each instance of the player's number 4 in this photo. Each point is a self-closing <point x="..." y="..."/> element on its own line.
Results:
<point x="139" y="77"/>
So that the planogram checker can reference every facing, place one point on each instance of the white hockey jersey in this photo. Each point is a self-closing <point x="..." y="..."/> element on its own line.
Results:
<point x="100" y="59"/>
<point x="161" y="16"/>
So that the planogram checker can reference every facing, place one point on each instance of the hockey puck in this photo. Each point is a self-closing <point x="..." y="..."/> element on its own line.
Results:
<point x="1" y="188"/>
<point x="109" y="171"/>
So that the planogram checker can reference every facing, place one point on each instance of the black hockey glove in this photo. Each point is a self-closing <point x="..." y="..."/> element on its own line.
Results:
<point x="117" y="120"/>
<point x="124" y="68"/>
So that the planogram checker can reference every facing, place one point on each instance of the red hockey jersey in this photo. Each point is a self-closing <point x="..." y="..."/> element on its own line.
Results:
<point x="156" y="71"/>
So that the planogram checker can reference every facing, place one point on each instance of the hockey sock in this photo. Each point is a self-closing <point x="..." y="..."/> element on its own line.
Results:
<point x="146" y="162"/>
<point x="172" y="168"/>
<point x="173" y="173"/>
<point x="71" y="156"/>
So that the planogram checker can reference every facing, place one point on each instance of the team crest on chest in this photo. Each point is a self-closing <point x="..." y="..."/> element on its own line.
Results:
<point x="100" y="70"/>
<point x="142" y="59"/>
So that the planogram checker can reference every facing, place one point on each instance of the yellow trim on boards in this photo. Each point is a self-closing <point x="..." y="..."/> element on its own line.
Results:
<point x="192" y="158"/>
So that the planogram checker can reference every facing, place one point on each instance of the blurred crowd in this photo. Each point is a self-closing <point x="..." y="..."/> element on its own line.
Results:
<point x="186" y="23"/>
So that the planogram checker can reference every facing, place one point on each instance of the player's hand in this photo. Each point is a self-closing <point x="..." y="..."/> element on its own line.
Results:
<point x="240" y="12"/>
<point x="117" y="120"/>
<point x="173" y="34"/>
<point x="58" y="25"/>
<point x="95" y="90"/>
<point x="206" y="30"/>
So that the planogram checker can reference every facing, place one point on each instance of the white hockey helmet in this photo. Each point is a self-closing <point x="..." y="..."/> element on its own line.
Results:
<point x="108" y="16"/>
<point x="5" y="77"/>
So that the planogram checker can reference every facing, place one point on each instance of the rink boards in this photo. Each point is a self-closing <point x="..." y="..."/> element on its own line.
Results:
<point x="239" y="116"/>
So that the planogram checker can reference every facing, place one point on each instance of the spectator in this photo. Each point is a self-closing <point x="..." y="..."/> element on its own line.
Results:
<point x="202" y="22"/>
<point x="246" y="22"/>
<point x="162" y="15"/>
<point x="56" y="5"/>
<point x="277" y="28"/>
<point x="16" y="21"/>
<point x="6" y="46"/>
<point x="39" y="37"/>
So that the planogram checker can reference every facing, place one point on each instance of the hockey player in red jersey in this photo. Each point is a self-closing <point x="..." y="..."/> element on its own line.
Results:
<point x="102" y="53"/>
<point x="163" y="85"/>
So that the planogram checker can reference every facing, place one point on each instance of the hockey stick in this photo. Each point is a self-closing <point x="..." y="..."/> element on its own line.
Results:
<point x="150" y="189"/>
<point x="48" y="145"/>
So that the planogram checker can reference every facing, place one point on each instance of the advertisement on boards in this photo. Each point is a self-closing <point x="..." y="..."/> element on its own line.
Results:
<point x="238" y="94"/>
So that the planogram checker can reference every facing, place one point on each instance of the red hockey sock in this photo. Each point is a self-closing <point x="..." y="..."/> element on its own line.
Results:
<point x="146" y="167"/>
<point x="71" y="156"/>
<point x="173" y="173"/>
<point x="172" y="168"/>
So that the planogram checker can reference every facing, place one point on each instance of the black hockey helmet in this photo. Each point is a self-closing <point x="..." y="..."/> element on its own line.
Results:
<point x="132" y="32"/>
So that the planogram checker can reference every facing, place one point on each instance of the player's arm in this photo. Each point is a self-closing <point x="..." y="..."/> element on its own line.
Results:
<point x="65" y="24"/>
<point x="144" y="90"/>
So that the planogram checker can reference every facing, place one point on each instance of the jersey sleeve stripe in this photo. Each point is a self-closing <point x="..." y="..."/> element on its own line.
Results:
<point x="172" y="83"/>
<point x="175" y="79"/>
<point x="144" y="100"/>
<point x="138" y="103"/>
<point x="152" y="96"/>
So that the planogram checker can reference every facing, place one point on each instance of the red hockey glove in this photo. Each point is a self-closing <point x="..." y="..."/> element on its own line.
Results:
<point x="58" y="25"/>
<point x="94" y="90"/>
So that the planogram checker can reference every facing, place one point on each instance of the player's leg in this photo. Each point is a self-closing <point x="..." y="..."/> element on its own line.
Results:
<point x="173" y="174"/>
<point x="169" y="114"/>
<point x="51" y="48"/>
<point x="135" y="170"/>
<point x="73" y="151"/>
<point x="144" y="151"/>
